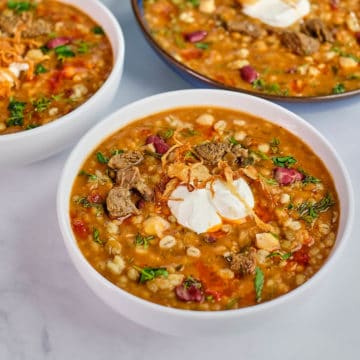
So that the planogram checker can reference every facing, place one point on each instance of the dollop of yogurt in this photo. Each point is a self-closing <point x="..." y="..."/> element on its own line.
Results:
<point x="204" y="210"/>
<point x="278" y="13"/>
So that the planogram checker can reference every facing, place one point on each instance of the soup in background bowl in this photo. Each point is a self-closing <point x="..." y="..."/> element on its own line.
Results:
<point x="302" y="50"/>
<point x="61" y="64"/>
<point x="201" y="204"/>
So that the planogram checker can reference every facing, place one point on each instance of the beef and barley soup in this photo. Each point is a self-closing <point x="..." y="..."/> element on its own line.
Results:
<point x="204" y="209"/>
<point x="53" y="57"/>
<point x="278" y="47"/>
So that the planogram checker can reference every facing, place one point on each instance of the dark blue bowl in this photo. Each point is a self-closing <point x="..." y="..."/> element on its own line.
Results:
<point x="201" y="81"/>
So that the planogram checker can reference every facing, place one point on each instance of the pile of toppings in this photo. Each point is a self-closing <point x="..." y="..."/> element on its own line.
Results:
<point x="52" y="58"/>
<point x="203" y="209"/>
<point x="277" y="47"/>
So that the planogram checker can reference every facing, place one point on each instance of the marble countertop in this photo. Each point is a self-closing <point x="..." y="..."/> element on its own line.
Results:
<point x="47" y="311"/>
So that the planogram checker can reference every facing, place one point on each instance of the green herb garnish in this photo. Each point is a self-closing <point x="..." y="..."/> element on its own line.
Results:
<point x="310" y="211"/>
<point x="40" y="69"/>
<point x="232" y="302"/>
<point x="202" y="46"/>
<point x="167" y="134"/>
<point x="20" y="6"/>
<point x="31" y="126"/>
<point x="150" y="273"/>
<point x="116" y="152"/>
<point x="260" y="154"/>
<point x="285" y="256"/>
<point x="189" y="132"/>
<point x="63" y="51"/>
<point x="284" y="161"/>
<point x="258" y="283"/>
<point x="190" y="281"/>
<point x="91" y="177"/>
<point x="83" y="47"/>
<point x="309" y="179"/>
<point x="269" y="181"/>
<point x="194" y="3"/>
<point x="96" y="237"/>
<point x="16" y="110"/>
<point x="233" y="141"/>
<point x="41" y="104"/>
<point x="153" y="154"/>
<point x="101" y="158"/>
<point x="338" y="88"/>
<point x="274" y="145"/>
<point x="98" y="30"/>
<point x="143" y="240"/>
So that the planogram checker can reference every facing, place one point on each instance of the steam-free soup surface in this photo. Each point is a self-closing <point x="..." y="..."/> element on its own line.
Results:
<point x="315" y="55"/>
<point x="53" y="57"/>
<point x="204" y="209"/>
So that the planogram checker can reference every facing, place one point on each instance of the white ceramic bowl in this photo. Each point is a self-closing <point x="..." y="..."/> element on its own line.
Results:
<point x="29" y="146"/>
<point x="186" y="322"/>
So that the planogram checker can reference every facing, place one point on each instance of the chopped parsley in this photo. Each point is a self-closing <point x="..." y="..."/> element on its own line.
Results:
<point x="274" y="145"/>
<point x="40" y="69"/>
<point x="41" y="104"/>
<point x="83" y="47"/>
<point x="202" y="45"/>
<point x="339" y="88"/>
<point x="91" y="177"/>
<point x="259" y="154"/>
<point x="189" y="132"/>
<point x="273" y="88"/>
<point x="232" y="302"/>
<point x="167" y="134"/>
<point x="282" y="256"/>
<point x="96" y="237"/>
<point x="63" y="51"/>
<point x="16" y="110"/>
<point x="309" y="211"/>
<point x="143" y="241"/>
<point x="98" y="30"/>
<point x="194" y="3"/>
<point x="116" y="152"/>
<point x="309" y="179"/>
<point x="258" y="283"/>
<point x="150" y="273"/>
<point x="268" y="181"/>
<point x="101" y="158"/>
<point x="190" y="281"/>
<point x="284" y="161"/>
<point x="233" y="141"/>
<point x="20" y="6"/>
<point x="31" y="126"/>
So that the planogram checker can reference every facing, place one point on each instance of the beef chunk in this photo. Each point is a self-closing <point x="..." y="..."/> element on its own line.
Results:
<point x="244" y="263"/>
<point x="37" y="28"/>
<point x="125" y="160"/>
<point x="237" y="155"/>
<point x="317" y="29"/>
<point x="299" y="43"/>
<point x="9" y="23"/>
<point x="119" y="203"/>
<point x="245" y="27"/>
<point x="131" y="179"/>
<point x="211" y="152"/>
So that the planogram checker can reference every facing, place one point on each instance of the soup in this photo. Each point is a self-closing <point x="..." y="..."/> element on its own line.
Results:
<point x="204" y="209"/>
<point x="285" y="48"/>
<point x="53" y="57"/>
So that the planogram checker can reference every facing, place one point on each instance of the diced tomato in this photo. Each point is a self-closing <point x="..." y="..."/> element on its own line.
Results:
<point x="215" y="294"/>
<point x="94" y="197"/>
<point x="80" y="228"/>
<point x="190" y="54"/>
<point x="334" y="4"/>
<point x="302" y="256"/>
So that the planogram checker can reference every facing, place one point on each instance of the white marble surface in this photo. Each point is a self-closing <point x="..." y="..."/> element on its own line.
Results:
<point x="47" y="312"/>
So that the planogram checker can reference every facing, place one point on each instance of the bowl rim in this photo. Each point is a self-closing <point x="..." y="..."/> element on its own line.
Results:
<point x="84" y="148"/>
<point x="137" y="11"/>
<point x="118" y="61"/>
